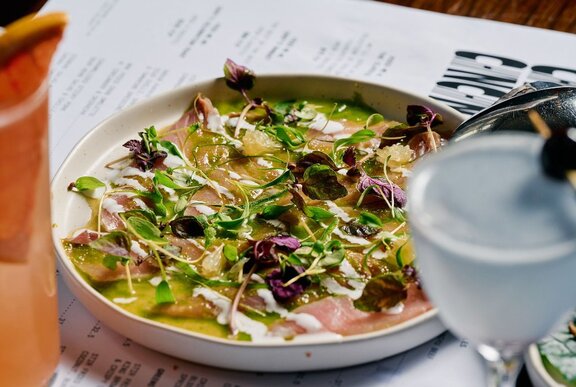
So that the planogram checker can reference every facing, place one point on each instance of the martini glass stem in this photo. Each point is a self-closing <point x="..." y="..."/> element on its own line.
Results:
<point x="502" y="366"/>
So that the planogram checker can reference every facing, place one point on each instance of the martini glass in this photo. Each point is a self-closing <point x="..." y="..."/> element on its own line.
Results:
<point x="496" y="244"/>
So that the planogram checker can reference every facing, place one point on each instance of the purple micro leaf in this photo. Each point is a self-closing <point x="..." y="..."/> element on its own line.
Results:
<point x="349" y="156"/>
<point x="266" y="251"/>
<point x="286" y="241"/>
<point x="115" y="243"/>
<point x="422" y="115"/>
<point x="383" y="189"/>
<point x="238" y="77"/>
<point x="144" y="160"/>
<point x="277" y="278"/>
<point x="135" y="146"/>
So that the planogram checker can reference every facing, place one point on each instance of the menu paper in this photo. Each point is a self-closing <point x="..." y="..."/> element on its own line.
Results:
<point x="118" y="52"/>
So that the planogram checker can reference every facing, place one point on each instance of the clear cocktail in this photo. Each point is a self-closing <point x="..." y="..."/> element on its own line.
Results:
<point x="496" y="241"/>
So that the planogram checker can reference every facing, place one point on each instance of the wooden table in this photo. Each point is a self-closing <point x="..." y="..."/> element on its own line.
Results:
<point x="557" y="15"/>
<point x="552" y="14"/>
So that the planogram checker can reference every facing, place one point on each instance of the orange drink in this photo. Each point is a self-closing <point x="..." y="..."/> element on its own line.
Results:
<point x="28" y="298"/>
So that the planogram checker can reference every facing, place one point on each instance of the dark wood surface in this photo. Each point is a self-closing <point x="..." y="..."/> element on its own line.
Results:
<point x="551" y="14"/>
<point x="557" y="15"/>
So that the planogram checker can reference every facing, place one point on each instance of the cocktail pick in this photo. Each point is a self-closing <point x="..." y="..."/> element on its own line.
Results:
<point x="559" y="151"/>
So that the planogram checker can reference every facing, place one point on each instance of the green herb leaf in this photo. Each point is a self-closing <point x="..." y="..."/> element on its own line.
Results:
<point x="373" y="120"/>
<point x="290" y="137"/>
<point x="317" y="213"/>
<point x="194" y="276"/>
<point x="235" y="223"/>
<point x="356" y="138"/>
<point x="321" y="182"/>
<point x="369" y="219"/>
<point x="209" y="236"/>
<point x="230" y="253"/>
<point x="141" y="213"/>
<point x="382" y="292"/>
<point x="402" y="255"/>
<point x="274" y="211"/>
<point x="157" y="200"/>
<point x="286" y="175"/>
<point x="87" y="183"/>
<point x="171" y="148"/>
<point x="111" y="261"/>
<point x="258" y="205"/>
<point x="193" y="128"/>
<point x="334" y="254"/>
<point x="327" y="233"/>
<point x="146" y="230"/>
<point x="164" y="293"/>
<point x="161" y="177"/>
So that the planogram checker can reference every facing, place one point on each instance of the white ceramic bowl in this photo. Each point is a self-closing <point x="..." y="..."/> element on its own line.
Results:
<point x="536" y="370"/>
<point x="103" y="144"/>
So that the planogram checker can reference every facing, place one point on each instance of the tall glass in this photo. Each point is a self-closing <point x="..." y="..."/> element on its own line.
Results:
<point x="496" y="244"/>
<point x="29" y="337"/>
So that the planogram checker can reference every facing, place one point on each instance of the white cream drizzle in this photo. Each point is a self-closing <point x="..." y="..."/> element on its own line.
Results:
<point x="172" y="161"/>
<point x="319" y="122"/>
<point x="396" y="309"/>
<point x="110" y="205"/>
<point x="134" y="183"/>
<point x="353" y="279"/>
<point x="376" y="254"/>
<point x="350" y="238"/>
<point x="334" y="287"/>
<point x="137" y="249"/>
<point x="204" y="209"/>
<point x="233" y="122"/>
<point x="305" y="320"/>
<point x="257" y="330"/>
<point x="140" y="203"/>
<point x="264" y="163"/>
<point x="223" y="190"/>
<point x="256" y="278"/>
<point x="131" y="171"/>
<point x="197" y="244"/>
<point x="336" y="210"/>
<point x="276" y="223"/>
<point x="198" y="179"/>
<point x="234" y="175"/>
<point x="155" y="281"/>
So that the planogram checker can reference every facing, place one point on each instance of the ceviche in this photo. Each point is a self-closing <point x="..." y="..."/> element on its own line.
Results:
<point x="259" y="219"/>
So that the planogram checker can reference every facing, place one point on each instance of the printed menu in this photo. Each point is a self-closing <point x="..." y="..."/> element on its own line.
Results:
<point x="118" y="52"/>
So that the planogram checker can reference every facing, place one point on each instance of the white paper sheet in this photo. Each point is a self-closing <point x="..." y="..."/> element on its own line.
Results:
<point x="117" y="52"/>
